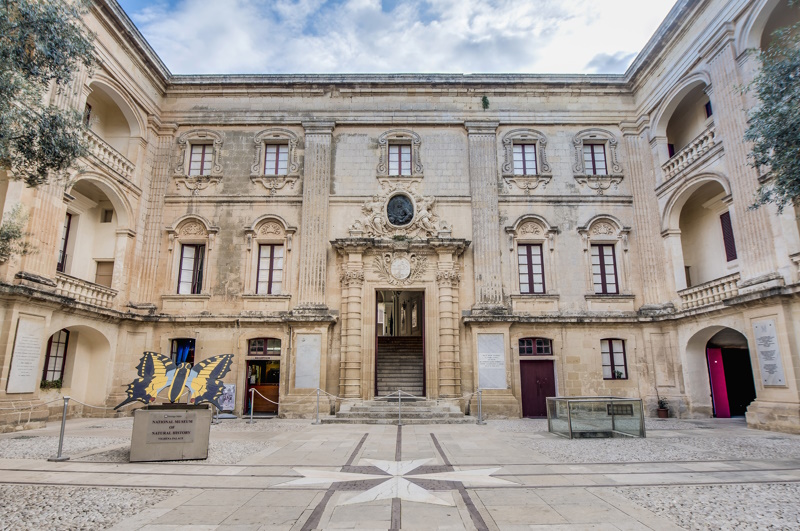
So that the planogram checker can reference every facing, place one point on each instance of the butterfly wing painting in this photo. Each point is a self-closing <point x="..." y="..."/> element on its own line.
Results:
<point x="155" y="373"/>
<point x="205" y="380"/>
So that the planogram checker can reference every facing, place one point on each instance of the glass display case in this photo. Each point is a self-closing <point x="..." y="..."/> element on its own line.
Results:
<point x="595" y="416"/>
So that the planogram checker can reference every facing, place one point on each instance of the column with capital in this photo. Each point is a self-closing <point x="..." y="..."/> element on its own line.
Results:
<point x="350" y="364"/>
<point x="314" y="221"/>
<point x="485" y="215"/>
<point x="447" y="281"/>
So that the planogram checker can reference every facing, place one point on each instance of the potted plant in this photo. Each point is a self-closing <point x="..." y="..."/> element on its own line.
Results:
<point x="663" y="408"/>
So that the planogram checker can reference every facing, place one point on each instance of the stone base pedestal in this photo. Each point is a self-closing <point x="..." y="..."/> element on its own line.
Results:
<point x="304" y="407"/>
<point x="170" y="432"/>
<point x="496" y="404"/>
<point x="774" y="416"/>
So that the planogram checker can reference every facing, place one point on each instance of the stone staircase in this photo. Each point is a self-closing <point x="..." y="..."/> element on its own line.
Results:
<point x="399" y="365"/>
<point x="412" y="411"/>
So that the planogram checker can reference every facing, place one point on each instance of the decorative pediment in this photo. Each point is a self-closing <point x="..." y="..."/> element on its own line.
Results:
<point x="399" y="136"/>
<point x="598" y="183"/>
<point x="399" y="210"/>
<point x="258" y="171"/>
<point x="526" y="182"/>
<point x="198" y="183"/>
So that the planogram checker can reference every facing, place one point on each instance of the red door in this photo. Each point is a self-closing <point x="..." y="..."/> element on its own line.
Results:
<point x="538" y="382"/>
<point x="719" y="391"/>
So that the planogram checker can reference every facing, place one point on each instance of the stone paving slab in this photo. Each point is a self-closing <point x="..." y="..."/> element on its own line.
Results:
<point x="428" y="477"/>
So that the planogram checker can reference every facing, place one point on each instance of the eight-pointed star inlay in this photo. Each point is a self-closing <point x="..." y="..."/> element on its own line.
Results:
<point x="396" y="484"/>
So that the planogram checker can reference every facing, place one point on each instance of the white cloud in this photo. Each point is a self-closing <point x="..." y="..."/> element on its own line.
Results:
<point x="319" y="36"/>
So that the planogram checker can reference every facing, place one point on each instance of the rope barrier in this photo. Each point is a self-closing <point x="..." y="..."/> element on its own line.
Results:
<point x="28" y="407"/>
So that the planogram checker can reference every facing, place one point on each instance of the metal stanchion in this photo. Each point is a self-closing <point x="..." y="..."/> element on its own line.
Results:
<point x="317" y="421"/>
<point x="480" y="407"/>
<point x="399" y="407"/>
<point x="60" y="457"/>
<point x="252" y="397"/>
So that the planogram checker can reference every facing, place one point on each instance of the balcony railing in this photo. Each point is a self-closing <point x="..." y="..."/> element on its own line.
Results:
<point x="710" y="292"/>
<point x="110" y="157"/>
<point x="691" y="153"/>
<point x="84" y="291"/>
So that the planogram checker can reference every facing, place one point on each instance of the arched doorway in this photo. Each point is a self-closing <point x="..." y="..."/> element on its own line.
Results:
<point x="719" y="373"/>
<point x="730" y="373"/>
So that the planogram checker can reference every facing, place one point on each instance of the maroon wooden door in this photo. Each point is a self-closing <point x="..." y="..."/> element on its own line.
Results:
<point x="538" y="382"/>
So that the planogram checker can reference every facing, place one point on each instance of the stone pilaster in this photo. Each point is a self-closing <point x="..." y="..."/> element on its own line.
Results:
<point x="755" y="252"/>
<point x="350" y="363"/>
<point x="314" y="225"/>
<point x="485" y="215"/>
<point x="162" y="139"/>
<point x="646" y="223"/>
<point x="449" y="362"/>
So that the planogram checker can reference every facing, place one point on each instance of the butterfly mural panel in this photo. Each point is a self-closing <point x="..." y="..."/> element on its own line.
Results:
<point x="201" y="382"/>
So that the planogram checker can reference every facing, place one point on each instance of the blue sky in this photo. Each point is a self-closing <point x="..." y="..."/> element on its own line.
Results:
<point x="381" y="36"/>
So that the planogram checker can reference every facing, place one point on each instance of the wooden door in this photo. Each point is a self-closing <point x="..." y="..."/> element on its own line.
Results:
<point x="719" y="388"/>
<point x="537" y="379"/>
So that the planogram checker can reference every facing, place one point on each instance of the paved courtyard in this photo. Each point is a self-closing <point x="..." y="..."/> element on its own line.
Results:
<point x="508" y="474"/>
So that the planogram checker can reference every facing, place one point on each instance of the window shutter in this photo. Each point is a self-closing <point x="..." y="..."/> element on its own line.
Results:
<point x="727" y="236"/>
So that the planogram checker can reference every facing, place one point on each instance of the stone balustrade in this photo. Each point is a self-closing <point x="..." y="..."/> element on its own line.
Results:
<point x="691" y="153"/>
<point x="84" y="291"/>
<point x="710" y="292"/>
<point x="108" y="156"/>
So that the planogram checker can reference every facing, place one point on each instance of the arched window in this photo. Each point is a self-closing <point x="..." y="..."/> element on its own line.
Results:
<point x="531" y="242"/>
<point x="269" y="243"/>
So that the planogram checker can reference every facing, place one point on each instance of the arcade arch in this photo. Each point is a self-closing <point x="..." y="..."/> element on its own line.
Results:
<point x="83" y="355"/>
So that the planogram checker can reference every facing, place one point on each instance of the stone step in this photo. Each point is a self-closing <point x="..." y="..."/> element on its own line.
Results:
<point x="403" y="413"/>
<point x="460" y="420"/>
<point x="410" y="409"/>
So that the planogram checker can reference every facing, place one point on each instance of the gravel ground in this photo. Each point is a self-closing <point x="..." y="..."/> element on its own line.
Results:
<point x="724" y="507"/>
<point x="666" y="449"/>
<point x="46" y="507"/>
<point x="219" y="453"/>
<point x="261" y="425"/>
<point x="41" y="447"/>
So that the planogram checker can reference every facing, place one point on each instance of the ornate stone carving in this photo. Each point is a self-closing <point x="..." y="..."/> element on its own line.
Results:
<point x="400" y="136"/>
<point x="383" y="266"/>
<point x="258" y="174"/>
<point x="530" y="181"/>
<point x="192" y="228"/>
<point x="198" y="183"/>
<point x="603" y="229"/>
<point x="598" y="183"/>
<point x="270" y="229"/>
<point x="528" y="184"/>
<point x="448" y="278"/>
<point x="530" y="228"/>
<point x="379" y="222"/>
<point x="352" y="278"/>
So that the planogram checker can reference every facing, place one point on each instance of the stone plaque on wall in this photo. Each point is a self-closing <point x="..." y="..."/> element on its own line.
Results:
<point x="306" y="374"/>
<point x="24" y="375"/>
<point x="491" y="361"/>
<point x="769" y="353"/>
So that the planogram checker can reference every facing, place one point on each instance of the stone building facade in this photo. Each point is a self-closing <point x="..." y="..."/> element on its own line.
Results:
<point x="584" y="235"/>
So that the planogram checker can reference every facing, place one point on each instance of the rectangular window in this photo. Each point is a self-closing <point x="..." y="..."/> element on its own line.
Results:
<point x="531" y="268"/>
<point x="399" y="159"/>
<point x="604" y="269"/>
<point x="62" y="251"/>
<point x="56" y="356"/>
<point x="104" y="273"/>
<point x="183" y="350"/>
<point x="87" y="115"/>
<point x="265" y="346"/>
<point x="535" y="346"/>
<point x="614" y="364"/>
<point x="709" y="110"/>
<point x="190" y="277"/>
<point x="200" y="163"/>
<point x="107" y="215"/>
<point x="525" y="159"/>
<point x="594" y="159"/>
<point x="727" y="236"/>
<point x="270" y="269"/>
<point x="276" y="159"/>
<point x="671" y="150"/>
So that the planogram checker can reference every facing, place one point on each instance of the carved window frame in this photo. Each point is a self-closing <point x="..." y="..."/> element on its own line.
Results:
<point x="258" y="174"/>
<point x="606" y="230"/>
<point x="267" y="230"/>
<point x="598" y="183"/>
<point x="534" y="230"/>
<point x="403" y="137"/>
<point x="198" y="183"/>
<point x="526" y="183"/>
<point x="189" y="230"/>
